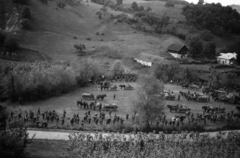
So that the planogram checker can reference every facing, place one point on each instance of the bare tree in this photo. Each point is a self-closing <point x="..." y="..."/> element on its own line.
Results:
<point x="149" y="103"/>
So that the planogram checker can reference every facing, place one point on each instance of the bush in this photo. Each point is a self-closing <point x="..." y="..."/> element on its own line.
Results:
<point x="2" y="38"/>
<point x="26" y="24"/>
<point x="61" y="4"/>
<point x="134" y="6"/>
<point x="169" y="4"/>
<point x="206" y="35"/>
<point x="88" y="38"/>
<point x="26" y="14"/>
<point x="41" y="80"/>
<point x="24" y="2"/>
<point x="11" y="44"/>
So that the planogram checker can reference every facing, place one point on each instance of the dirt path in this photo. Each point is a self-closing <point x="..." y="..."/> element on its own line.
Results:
<point x="64" y="135"/>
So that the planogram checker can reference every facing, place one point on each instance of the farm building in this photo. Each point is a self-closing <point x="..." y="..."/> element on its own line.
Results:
<point x="178" y="50"/>
<point x="227" y="58"/>
<point x="147" y="59"/>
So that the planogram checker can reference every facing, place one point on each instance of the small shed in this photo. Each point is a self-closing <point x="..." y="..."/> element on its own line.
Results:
<point x="147" y="59"/>
<point x="178" y="50"/>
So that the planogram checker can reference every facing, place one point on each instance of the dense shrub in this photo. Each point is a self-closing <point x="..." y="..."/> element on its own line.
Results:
<point x="206" y="35"/>
<point x="134" y="6"/>
<point x="26" y="14"/>
<point x="11" y="44"/>
<point x="25" y="2"/>
<point x="26" y="24"/>
<point x="34" y="81"/>
<point x="169" y="4"/>
<point x="2" y="38"/>
<point x="219" y="19"/>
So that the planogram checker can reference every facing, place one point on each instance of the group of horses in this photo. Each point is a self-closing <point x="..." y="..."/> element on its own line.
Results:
<point x="179" y="108"/>
<point x="195" y="96"/>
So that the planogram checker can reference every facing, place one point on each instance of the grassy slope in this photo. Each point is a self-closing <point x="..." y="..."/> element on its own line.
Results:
<point x="55" y="28"/>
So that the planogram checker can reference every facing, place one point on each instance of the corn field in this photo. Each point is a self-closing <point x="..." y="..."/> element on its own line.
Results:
<point x="184" y="145"/>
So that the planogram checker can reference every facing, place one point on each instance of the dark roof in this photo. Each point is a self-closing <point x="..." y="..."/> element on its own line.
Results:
<point x="176" y="47"/>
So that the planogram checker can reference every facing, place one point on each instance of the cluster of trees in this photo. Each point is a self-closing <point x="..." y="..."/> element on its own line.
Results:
<point x="218" y="19"/>
<point x="13" y="137"/>
<point x="41" y="80"/>
<point x="10" y="43"/>
<point x="199" y="48"/>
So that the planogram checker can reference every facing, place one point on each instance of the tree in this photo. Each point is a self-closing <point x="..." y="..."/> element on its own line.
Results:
<point x="141" y="8"/>
<point x="209" y="50"/>
<point x="195" y="45"/>
<point x="116" y="68"/>
<point x="119" y="2"/>
<point x="26" y="14"/>
<point x="149" y="102"/>
<point x="13" y="136"/>
<point x="169" y="4"/>
<point x="134" y="6"/>
<point x="200" y="2"/>
<point x="11" y="44"/>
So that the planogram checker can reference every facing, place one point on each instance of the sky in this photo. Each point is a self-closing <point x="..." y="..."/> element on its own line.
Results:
<point x="223" y="2"/>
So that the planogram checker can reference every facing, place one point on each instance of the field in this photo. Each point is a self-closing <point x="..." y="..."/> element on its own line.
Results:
<point x="124" y="99"/>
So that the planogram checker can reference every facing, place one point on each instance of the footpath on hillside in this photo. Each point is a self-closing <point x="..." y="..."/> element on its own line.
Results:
<point x="64" y="135"/>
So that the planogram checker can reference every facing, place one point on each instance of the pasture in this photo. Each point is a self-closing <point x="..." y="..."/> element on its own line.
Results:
<point x="124" y="99"/>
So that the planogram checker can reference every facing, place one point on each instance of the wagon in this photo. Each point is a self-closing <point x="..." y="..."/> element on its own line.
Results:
<point x="129" y="87"/>
<point x="113" y="88"/>
<point x="110" y="107"/>
<point x="88" y="96"/>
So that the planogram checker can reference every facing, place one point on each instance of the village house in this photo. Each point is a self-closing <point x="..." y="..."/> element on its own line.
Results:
<point x="227" y="58"/>
<point x="178" y="50"/>
<point x="147" y="59"/>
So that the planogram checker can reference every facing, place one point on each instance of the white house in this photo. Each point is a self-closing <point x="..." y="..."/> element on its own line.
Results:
<point x="147" y="59"/>
<point x="227" y="58"/>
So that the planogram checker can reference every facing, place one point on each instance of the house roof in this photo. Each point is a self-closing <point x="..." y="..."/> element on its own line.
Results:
<point x="176" y="47"/>
<point x="227" y="56"/>
<point x="149" y="57"/>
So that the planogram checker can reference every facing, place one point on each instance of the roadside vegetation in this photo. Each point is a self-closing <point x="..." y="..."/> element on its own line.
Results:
<point x="148" y="146"/>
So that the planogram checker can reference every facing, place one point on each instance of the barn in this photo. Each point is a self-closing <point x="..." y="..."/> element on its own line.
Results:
<point x="178" y="50"/>
<point x="147" y="59"/>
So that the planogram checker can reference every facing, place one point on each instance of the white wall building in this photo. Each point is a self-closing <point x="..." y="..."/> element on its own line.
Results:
<point x="147" y="59"/>
<point x="227" y="58"/>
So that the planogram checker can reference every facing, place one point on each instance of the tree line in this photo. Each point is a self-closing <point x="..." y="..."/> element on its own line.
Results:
<point x="219" y="19"/>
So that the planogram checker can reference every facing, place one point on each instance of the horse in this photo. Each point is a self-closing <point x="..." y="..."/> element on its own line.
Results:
<point x="101" y="96"/>
<point x="122" y="86"/>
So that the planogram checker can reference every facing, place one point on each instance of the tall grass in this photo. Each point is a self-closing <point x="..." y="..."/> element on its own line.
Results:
<point x="185" y="145"/>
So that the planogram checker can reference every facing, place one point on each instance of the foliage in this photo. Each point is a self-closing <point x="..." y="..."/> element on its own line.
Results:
<point x="169" y="4"/>
<point x="134" y="6"/>
<point x="11" y="44"/>
<point x="117" y="68"/>
<point x="41" y="80"/>
<point x="119" y="2"/>
<point x="214" y="17"/>
<point x="25" y="2"/>
<point x="195" y="45"/>
<point x="2" y="37"/>
<point x="61" y="4"/>
<point x="26" y="24"/>
<point x="183" y="145"/>
<point x="206" y="35"/>
<point x="26" y="14"/>
<point x="13" y="138"/>
<point x="209" y="50"/>
<point x="149" y="102"/>
<point x="141" y="8"/>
